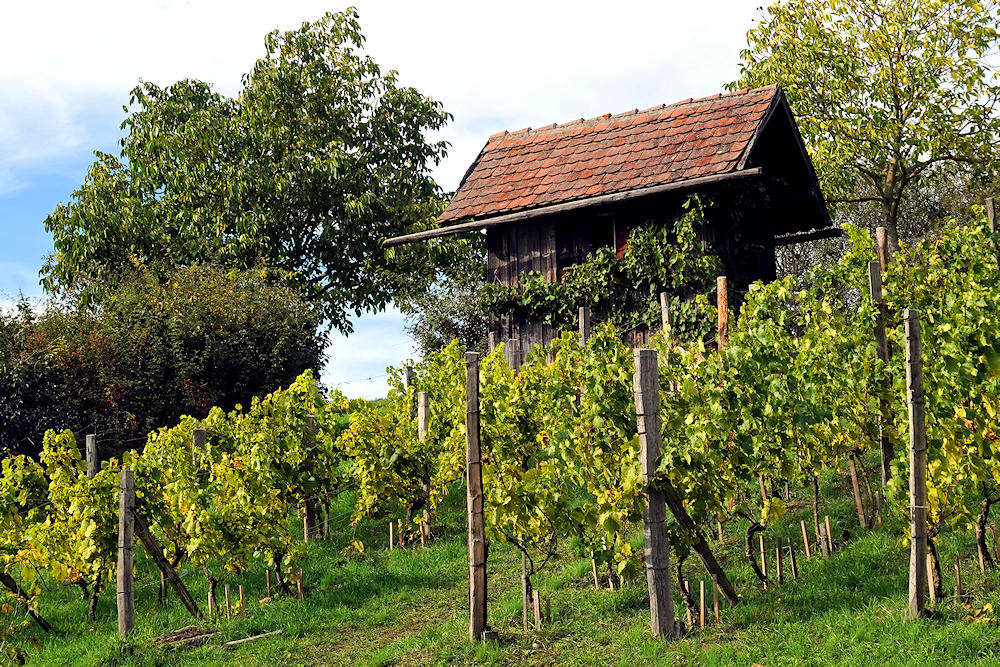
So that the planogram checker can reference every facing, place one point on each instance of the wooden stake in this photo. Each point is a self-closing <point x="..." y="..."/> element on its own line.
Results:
<point x="701" y="602"/>
<point x="474" y="501"/>
<point x="126" y="545"/>
<point x="829" y="535"/>
<point x="666" y="319"/>
<point x="536" y="609"/>
<point x="597" y="580"/>
<point x="91" y="450"/>
<point x="779" y="561"/>
<point x="805" y="541"/>
<point x="715" y="599"/>
<point x="423" y="425"/>
<point x="824" y="548"/>
<point x="197" y="444"/>
<point x="646" y="385"/>
<point x="243" y="601"/>
<point x="167" y="573"/>
<point x="763" y="561"/>
<point x="930" y="578"/>
<point x="229" y="607"/>
<point x="392" y="534"/>
<point x="792" y="559"/>
<point x="959" y="594"/>
<point x="722" y="296"/>
<point x="299" y="585"/>
<point x="211" y="603"/>
<point x="856" y="487"/>
<point x="267" y="574"/>
<point x="918" y="464"/>
<point x="584" y="324"/>
<point x="687" y="589"/>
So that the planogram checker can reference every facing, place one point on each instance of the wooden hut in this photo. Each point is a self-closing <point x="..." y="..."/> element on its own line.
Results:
<point x="546" y="197"/>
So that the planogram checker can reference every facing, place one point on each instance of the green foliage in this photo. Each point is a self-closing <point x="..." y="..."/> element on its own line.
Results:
<point x="318" y="158"/>
<point x="884" y="93"/>
<point x="153" y="351"/>
<point x="623" y="290"/>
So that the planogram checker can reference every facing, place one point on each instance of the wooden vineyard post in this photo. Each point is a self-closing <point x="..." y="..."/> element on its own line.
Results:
<point x="392" y="534"/>
<point x="715" y="599"/>
<point x="792" y="560"/>
<point x="722" y="297"/>
<point x="474" y="501"/>
<point x="805" y="541"/>
<point x="829" y="535"/>
<point x="666" y="320"/>
<point x="918" y="464"/>
<point x="646" y="384"/>
<point x="91" y="451"/>
<point x="197" y="444"/>
<point x="267" y="579"/>
<point x="763" y="560"/>
<point x="701" y="602"/>
<point x="423" y="425"/>
<point x="824" y="548"/>
<point x="584" y="324"/>
<point x="856" y="487"/>
<point x="882" y="350"/>
<point x="779" y="564"/>
<point x="687" y="589"/>
<point x="300" y="585"/>
<point x="229" y="606"/>
<point x="126" y="539"/>
<point x="243" y="601"/>
<point x="959" y="593"/>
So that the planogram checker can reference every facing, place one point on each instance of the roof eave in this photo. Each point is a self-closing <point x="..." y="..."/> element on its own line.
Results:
<point x="520" y="216"/>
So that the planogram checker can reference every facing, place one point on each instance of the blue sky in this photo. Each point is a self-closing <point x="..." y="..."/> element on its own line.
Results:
<point x="68" y="68"/>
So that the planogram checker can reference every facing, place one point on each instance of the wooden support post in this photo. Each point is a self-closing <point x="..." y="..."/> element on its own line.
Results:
<point x="918" y="464"/>
<point x="474" y="501"/>
<point x="155" y="551"/>
<point x="243" y="601"/>
<point x="930" y="578"/>
<point x="722" y="296"/>
<point x="701" y="602"/>
<point x="229" y="606"/>
<point x="91" y="452"/>
<point x="408" y="376"/>
<point x="197" y="444"/>
<point x="646" y="385"/>
<point x="392" y="534"/>
<point x="210" y="601"/>
<point x="829" y="535"/>
<point x="779" y="561"/>
<point x="584" y="324"/>
<point x="885" y="383"/>
<point x="597" y="580"/>
<point x="793" y="561"/>
<point x="687" y="589"/>
<point x="824" y="548"/>
<point x="126" y="545"/>
<point x="300" y="585"/>
<point x="882" y="248"/>
<point x="666" y="317"/>
<point x="536" y="609"/>
<point x="805" y="541"/>
<point x="423" y="425"/>
<point x="491" y="340"/>
<point x="715" y="599"/>
<point x="267" y="575"/>
<point x="763" y="561"/>
<point x="959" y="593"/>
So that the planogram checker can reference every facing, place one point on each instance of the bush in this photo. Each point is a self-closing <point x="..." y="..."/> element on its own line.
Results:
<point x="149" y="353"/>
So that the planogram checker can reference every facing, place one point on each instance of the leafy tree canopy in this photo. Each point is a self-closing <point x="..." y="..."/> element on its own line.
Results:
<point x="306" y="170"/>
<point x="885" y="93"/>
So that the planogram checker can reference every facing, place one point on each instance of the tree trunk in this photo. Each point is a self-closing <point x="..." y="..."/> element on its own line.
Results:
<point x="95" y="595"/>
<point x="751" y="550"/>
<point x="282" y="584"/>
<point x="692" y="606"/>
<point x="984" y="516"/>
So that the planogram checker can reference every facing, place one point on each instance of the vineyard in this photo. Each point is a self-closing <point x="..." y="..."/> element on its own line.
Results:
<point x="747" y="443"/>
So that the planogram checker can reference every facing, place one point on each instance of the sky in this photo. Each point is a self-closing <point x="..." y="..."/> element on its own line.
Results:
<point x="66" y="69"/>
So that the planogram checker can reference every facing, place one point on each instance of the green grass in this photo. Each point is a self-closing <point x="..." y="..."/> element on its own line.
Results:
<point x="410" y="607"/>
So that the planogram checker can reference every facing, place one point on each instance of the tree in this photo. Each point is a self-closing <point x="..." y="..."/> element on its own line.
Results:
<point x="886" y="93"/>
<point x="307" y="169"/>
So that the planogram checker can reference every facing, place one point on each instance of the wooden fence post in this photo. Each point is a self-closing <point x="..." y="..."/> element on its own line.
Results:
<point x="882" y="350"/>
<point x="918" y="464"/>
<point x="91" y="451"/>
<point x="126" y="596"/>
<point x="666" y="317"/>
<point x="423" y="424"/>
<point x="585" y="315"/>
<point x="646" y="383"/>
<point x="805" y="541"/>
<point x="722" y="297"/>
<point x="474" y="501"/>
<point x="197" y="444"/>
<point x="829" y="534"/>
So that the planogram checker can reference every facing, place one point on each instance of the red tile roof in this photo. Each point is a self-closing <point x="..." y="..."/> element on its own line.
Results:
<point x="538" y="167"/>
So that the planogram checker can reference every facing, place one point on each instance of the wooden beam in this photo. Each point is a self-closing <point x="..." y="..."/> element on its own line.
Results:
<point x="487" y="223"/>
